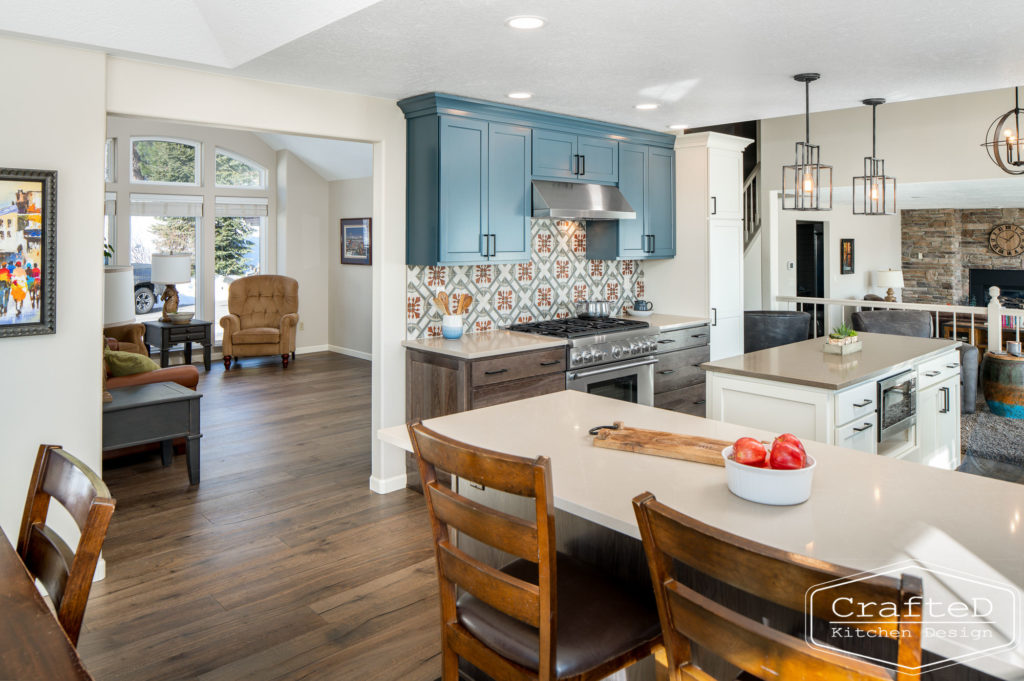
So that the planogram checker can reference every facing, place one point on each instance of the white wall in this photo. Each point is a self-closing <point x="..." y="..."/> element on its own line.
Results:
<point x="214" y="99"/>
<point x="302" y="245"/>
<point x="53" y="382"/>
<point x="752" y="275"/>
<point x="350" y="287"/>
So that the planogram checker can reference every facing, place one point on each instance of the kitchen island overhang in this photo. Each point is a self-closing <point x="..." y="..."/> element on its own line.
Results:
<point x="865" y="512"/>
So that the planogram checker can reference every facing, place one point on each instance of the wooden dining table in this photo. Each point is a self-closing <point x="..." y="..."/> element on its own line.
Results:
<point x="33" y="646"/>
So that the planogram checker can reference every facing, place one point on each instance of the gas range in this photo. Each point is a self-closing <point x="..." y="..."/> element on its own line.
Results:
<point x="597" y="341"/>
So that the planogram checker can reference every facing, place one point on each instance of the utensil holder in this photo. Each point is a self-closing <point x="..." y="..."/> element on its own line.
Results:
<point x="451" y="326"/>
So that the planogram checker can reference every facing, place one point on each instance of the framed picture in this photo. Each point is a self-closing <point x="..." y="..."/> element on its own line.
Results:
<point x="356" y="248"/>
<point x="28" y="252"/>
<point x="846" y="256"/>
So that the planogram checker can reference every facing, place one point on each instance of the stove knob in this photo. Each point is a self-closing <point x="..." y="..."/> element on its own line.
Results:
<point x="652" y="346"/>
<point x="616" y="351"/>
<point x="575" y="357"/>
<point x="588" y="356"/>
<point x="600" y="355"/>
<point x="634" y="348"/>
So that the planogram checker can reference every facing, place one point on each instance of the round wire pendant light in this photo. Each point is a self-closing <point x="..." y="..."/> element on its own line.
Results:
<point x="1003" y="142"/>
<point x="807" y="184"/>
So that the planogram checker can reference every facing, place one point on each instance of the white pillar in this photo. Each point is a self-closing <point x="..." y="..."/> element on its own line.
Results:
<point x="995" y="321"/>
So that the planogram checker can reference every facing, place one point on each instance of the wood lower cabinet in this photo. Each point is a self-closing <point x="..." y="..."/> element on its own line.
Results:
<point x="438" y="385"/>
<point x="678" y="379"/>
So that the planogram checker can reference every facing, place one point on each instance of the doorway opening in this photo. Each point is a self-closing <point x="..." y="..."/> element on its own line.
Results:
<point x="810" y="267"/>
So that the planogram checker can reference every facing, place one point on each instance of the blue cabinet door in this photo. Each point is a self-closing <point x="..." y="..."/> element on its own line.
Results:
<point x="554" y="155"/>
<point x="463" y="189"/>
<point x="633" y="184"/>
<point x="599" y="159"/>
<point x="661" y="215"/>
<point x="509" y="193"/>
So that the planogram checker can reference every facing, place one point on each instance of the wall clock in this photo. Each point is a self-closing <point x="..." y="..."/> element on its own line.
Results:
<point x="1007" y="240"/>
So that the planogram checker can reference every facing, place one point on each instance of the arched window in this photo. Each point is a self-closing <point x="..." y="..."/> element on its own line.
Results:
<point x="237" y="171"/>
<point x="165" y="160"/>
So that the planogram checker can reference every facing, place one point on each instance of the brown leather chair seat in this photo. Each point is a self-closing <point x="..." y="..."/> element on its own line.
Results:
<point x="258" y="334"/>
<point x="597" y="619"/>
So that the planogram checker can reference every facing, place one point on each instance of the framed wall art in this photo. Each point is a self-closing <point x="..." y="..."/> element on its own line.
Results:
<point x="846" y="256"/>
<point x="28" y="252"/>
<point x="356" y="248"/>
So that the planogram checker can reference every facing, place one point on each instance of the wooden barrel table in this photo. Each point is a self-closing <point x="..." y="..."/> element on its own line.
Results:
<point x="1002" y="380"/>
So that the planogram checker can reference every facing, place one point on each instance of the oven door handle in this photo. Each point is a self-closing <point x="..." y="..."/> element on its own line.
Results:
<point x="615" y="367"/>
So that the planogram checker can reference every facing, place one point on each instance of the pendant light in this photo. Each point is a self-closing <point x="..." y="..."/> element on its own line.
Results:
<point x="1003" y="142"/>
<point x="807" y="184"/>
<point x="874" y="193"/>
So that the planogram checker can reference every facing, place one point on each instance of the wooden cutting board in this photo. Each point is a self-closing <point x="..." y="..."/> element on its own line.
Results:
<point x="660" y="443"/>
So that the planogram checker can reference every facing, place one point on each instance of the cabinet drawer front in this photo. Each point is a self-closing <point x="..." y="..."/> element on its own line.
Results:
<point x="680" y="369"/>
<point x="858" y="402"/>
<point x="182" y="335"/>
<point x="689" y="400"/>
<point x="681" y="339"/>
<point x="860" y="435"/>
<point x="512" y="367"/>
<point x="509" y="391"/>
<point x="938" y="370"/>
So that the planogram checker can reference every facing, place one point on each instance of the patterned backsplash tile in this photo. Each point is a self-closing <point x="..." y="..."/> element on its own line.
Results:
<point x="544" y="288"/>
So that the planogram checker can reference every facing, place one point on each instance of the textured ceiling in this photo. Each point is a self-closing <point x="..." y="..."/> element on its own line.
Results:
<point x="703" y="62"/>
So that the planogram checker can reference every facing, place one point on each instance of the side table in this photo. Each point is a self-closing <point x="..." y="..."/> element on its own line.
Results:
<point x="155" y="412"/>
<point x="166" y="334"/>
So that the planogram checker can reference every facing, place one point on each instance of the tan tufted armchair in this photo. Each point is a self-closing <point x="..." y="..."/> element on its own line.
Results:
<point x="263" y="311"/>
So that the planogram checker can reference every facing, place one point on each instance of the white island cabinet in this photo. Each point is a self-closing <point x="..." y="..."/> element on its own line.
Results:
<point x="834" y="399"/>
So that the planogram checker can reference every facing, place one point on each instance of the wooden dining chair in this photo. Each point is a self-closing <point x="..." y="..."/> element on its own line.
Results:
<point x="777" y="576"/>
<point x="540" y="617"/>
<point x="67" y="576"/>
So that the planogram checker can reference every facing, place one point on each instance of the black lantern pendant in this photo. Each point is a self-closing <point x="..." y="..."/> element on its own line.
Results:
<point x="874" y="193"/>
<point x="807" y="184"/>
<point x="1003" y="142"/>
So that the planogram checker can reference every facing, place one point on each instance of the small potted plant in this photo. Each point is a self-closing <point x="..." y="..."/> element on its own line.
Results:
<point x="843" y="340"/>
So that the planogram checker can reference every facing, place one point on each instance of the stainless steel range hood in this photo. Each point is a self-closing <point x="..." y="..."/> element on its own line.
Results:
<point x="576" y="201"/>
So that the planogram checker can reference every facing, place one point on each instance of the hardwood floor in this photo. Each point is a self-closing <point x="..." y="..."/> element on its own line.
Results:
<point x="281" y="564"/>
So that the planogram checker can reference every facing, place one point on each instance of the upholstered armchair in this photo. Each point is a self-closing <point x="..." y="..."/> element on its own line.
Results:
<point x="263" y="311"/>
<point x="128" y="338"/>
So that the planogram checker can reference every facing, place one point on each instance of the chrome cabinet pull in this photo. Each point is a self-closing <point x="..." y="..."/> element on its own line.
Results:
<point x="931" y="374"/>
<point x="666" y="341"/>
<point x="862" y="404"/>
<point x="945" y="395"/>
<point x="952" y="366"/>
<point x="666" y="372"/>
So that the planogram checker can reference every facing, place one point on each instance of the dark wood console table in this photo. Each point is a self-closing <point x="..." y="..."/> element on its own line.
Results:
<point x="165" y="334"/>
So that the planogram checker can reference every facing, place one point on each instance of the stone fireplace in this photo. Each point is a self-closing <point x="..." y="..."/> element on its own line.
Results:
<point x="945" y="255"/>
<point x="1010" y="283"/>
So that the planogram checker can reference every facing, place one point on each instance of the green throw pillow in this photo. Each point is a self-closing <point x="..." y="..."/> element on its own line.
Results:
<point x="122" y="363"/>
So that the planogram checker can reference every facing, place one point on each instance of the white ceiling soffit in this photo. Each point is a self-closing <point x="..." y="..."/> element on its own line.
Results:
<point x="218" y="33"/>
<point x="331" y="159"/>
<point x="967" y="194"/>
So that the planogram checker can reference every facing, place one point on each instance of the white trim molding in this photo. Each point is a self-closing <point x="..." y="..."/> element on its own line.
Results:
<point x="358" y="354"/>
<point x="387" y="485"/>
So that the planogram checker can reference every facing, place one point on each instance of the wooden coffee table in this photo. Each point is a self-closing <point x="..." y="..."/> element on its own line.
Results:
<point x="157" y="412"/>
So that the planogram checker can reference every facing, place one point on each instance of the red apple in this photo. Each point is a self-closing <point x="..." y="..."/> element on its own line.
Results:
<point x="750" y="452"/>
<point x="791" y="439"/>
<point x="786" y="456"/>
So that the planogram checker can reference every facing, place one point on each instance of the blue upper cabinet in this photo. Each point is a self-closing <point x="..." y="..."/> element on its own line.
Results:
<point x="469" y="169"/>
<point x="564" y="156"/>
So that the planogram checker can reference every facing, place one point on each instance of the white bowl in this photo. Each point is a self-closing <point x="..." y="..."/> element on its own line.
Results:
<point x="638" y="313"/>
<point x="766" y="485"/>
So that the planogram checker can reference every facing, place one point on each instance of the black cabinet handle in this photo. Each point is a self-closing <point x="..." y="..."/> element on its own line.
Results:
<point x="700" y="401"/>
<point x="492" y="373"/>
<point x="714" y="319"/>
<point x="866" y="426"/>
<point x="575" y="164"/>
<point x="551" y="363"/>
<point x="952" y="366"/>
<point x="666" y="341"/>
<point x="653" y="242"/>
<point x="700" y="335"/>
<point x="714" y="205"/>
<point x="583" y="165"/>
<point x="484" y="250"/>
<point x="666" y="372"/>
<point x="494" y="244"/>
<point x="862" y="404"/>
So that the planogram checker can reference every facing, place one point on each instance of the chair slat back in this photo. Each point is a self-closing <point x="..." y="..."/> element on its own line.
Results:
<point x="777" y="576"/>
<point x="65" y="574"/>
<point x="533" y="540"/>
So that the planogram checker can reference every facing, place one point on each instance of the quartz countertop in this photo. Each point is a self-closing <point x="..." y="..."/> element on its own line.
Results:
<point x="668" y="322"/>
<point x="485" y="344"/>
<point x="805" y="363"/>
<point x="865" y="511"/>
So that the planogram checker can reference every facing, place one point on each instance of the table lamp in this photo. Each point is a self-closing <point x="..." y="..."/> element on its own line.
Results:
<point x="170" y="269"/>
<point x="118" y="304"/>
<point x="890" y="279"/>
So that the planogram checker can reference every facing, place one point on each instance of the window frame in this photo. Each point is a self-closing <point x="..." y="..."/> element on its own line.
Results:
<point x="263" y="171"/>
<point x="110" y="161"/>
<point x="195" y="144"/>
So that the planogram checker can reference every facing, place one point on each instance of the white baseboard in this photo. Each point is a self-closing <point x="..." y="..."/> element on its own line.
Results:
<point x="386" y="485"/>
<point x="311" y="348"/>
<point x="358" y="354"/>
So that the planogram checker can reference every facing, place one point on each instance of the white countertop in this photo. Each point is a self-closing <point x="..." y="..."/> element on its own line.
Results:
<point x="485" y="344"/>
<point x="805" y="363"/>
<point x="865" y="512"/>
<point x="668" y="322"/>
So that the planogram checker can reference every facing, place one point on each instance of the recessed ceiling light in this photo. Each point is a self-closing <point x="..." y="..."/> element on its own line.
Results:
<point x="520" y="95"/>
<point x="647" y="106"/>
<point x="677" y="126"/>
<point x="525" y="22"/>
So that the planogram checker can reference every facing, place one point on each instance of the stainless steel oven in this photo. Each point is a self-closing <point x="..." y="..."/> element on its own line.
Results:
<point x="630" y="380"/>
<point x="897" y="404"/>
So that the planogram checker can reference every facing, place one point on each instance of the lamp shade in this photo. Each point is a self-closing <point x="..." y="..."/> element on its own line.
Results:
<point x="171" y="268"/>
<point x="888" y="279"/>
<point x="118" y="296"/>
